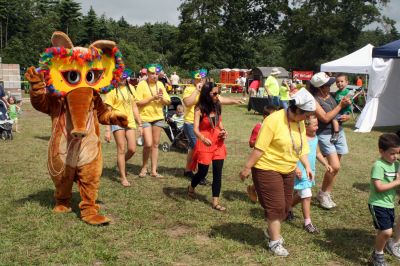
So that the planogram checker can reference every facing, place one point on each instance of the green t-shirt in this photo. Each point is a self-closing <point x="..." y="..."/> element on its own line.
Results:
<point x="284" y="93"/>
<point x="273" y="86"/>
<point x="386" y="172"/>
<point x="339" y="96"/>
<point x="12" y="111"/>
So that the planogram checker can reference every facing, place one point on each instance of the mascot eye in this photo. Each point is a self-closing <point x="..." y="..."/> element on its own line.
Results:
<point x="94" y="75"/>
<point x="72" y="77"/>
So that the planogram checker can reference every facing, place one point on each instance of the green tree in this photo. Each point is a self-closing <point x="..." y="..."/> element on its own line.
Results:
<point x="70" y="16"/>
<point x="90" y="31"/>
<point x="317" y="31"/>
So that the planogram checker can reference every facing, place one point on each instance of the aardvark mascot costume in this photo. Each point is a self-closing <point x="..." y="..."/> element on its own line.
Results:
<point x="66" y="87"/>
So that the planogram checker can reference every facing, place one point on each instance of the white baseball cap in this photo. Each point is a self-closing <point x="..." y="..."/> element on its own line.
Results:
<point x="321" y="79"/>
<point x="304" y="100"/>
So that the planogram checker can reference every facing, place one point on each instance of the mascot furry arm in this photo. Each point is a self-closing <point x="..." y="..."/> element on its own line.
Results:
<point x="66" y="87"/>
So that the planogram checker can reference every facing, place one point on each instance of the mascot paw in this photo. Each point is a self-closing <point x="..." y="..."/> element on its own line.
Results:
<point x="96" y="219"/>
<point x="61" y="209"/>
<point x="33" y="76"/>
<point x="119" y="119"/>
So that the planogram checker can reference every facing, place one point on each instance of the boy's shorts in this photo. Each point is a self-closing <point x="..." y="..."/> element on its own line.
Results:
<point x="304" y="193"/>
<point x="383" y="217"/>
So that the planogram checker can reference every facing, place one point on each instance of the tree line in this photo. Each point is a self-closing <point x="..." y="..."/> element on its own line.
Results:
<point x="211" y="33"/>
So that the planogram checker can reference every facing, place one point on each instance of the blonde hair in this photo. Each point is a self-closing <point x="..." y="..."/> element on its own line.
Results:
<point x="310" y="120"/>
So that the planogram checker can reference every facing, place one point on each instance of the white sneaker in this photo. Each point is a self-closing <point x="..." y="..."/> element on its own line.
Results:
<point x="393" y="248"/>
<point x="325" y="201"/>
<point x="279" y="250"/>
<point x="281" y="240"/>
<point x="331" y="200"/>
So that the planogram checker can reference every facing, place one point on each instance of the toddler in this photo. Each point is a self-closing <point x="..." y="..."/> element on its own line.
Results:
<point x="341" y="83"/>
<point x="13" y="110"/>
<point x="178" y="117"/>
<point x="302" y="184"/>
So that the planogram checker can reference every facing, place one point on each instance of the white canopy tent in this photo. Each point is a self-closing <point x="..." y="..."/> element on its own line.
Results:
<point x="358" y="62"/>
<point x="383" y="100"/>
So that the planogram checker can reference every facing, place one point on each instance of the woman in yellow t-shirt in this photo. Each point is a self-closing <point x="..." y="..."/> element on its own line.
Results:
<point x="122" y="100"/>
<point x="280" y="144"/>
<point x="151" y="98"/>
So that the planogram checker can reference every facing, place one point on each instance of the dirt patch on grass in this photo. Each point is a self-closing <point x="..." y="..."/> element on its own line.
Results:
<point x="334" y="263"/>
<point x="187" y="260"/>
<point x="178" y="231"/>
<point x="202" y="240"/>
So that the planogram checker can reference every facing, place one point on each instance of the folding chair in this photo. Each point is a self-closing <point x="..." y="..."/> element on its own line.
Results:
<point x="358" y="101"/>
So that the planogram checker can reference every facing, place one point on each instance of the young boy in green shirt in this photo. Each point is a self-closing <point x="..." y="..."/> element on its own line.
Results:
<point x="384" y="180"/>
<point x="341" y="83"/>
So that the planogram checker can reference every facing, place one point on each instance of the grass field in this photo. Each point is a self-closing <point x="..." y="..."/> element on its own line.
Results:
<point x="153" y="221"/>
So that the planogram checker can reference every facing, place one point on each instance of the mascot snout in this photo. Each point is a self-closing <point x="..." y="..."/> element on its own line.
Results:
<point x="79" y="102"/>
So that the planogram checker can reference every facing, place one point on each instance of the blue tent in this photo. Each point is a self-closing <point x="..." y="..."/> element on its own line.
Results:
<point x="390" y="50"/>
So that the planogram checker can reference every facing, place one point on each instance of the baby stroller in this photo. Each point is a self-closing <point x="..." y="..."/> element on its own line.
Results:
<point x="5" y="123"/>
<point x="175" y="135"/>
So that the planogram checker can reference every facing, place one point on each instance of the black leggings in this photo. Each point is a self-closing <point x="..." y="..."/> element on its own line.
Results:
<point x="202" y="171"/>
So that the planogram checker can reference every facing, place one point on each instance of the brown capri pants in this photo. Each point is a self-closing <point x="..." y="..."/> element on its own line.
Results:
<point x="275" y="192"/>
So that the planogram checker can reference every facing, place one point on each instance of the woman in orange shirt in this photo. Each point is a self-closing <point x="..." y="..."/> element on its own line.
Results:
<point x="210" y="148"/>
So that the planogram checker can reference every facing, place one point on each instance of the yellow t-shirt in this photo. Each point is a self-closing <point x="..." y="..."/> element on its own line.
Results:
<point x="152" y="111"/>
<point x="189" y="111"/>
<point x="274" y="140"/>
<point x="273" y="86"/>
<point x="121" y="100"/>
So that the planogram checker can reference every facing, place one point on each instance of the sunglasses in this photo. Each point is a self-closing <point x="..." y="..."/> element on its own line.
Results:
<point x="215" y="93"/>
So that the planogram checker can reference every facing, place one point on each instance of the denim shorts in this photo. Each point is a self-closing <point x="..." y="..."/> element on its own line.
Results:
<point x="157" y="123"/>
<point x="326" y="147"/>
<point x="383" y="217"/>
<point x="188" y="128"/>
<point x="116" y="127"/>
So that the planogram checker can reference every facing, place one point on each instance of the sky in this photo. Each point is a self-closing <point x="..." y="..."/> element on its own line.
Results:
<point x="140" y="12"/>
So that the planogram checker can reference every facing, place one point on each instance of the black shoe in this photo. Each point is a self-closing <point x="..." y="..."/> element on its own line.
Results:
<point x="290" y="217"/>
<point x="335" y="137"/>
<point x="188" y="174"/>
<point x="204" y="182"/>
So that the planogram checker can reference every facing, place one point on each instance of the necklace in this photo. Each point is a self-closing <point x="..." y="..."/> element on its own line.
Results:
<point x="295" y="147"/>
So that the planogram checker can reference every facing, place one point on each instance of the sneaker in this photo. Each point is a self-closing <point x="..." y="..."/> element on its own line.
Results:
<point x="393" y="248"/>
<point x="377" y="259"/>
<point x="310" y="228"/>
<point x="281" y="240"/>
<point x="204" y="182"/>
<point x="325" y="201"/>
<point x="331" y="200"/>
<point x="290" y="217"/>
<point x="335" y="137"/>
<point x="278" y="250"/>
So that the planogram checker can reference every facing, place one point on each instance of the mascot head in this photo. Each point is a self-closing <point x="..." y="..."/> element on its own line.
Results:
<point x="67" y="68"/>
<point x="79" y="74"/>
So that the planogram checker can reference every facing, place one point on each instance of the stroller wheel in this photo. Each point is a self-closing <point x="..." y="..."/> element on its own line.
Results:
<point x="10" y="136"/>
<point x="165" y="147"/>
<point x="4" y="135"/>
